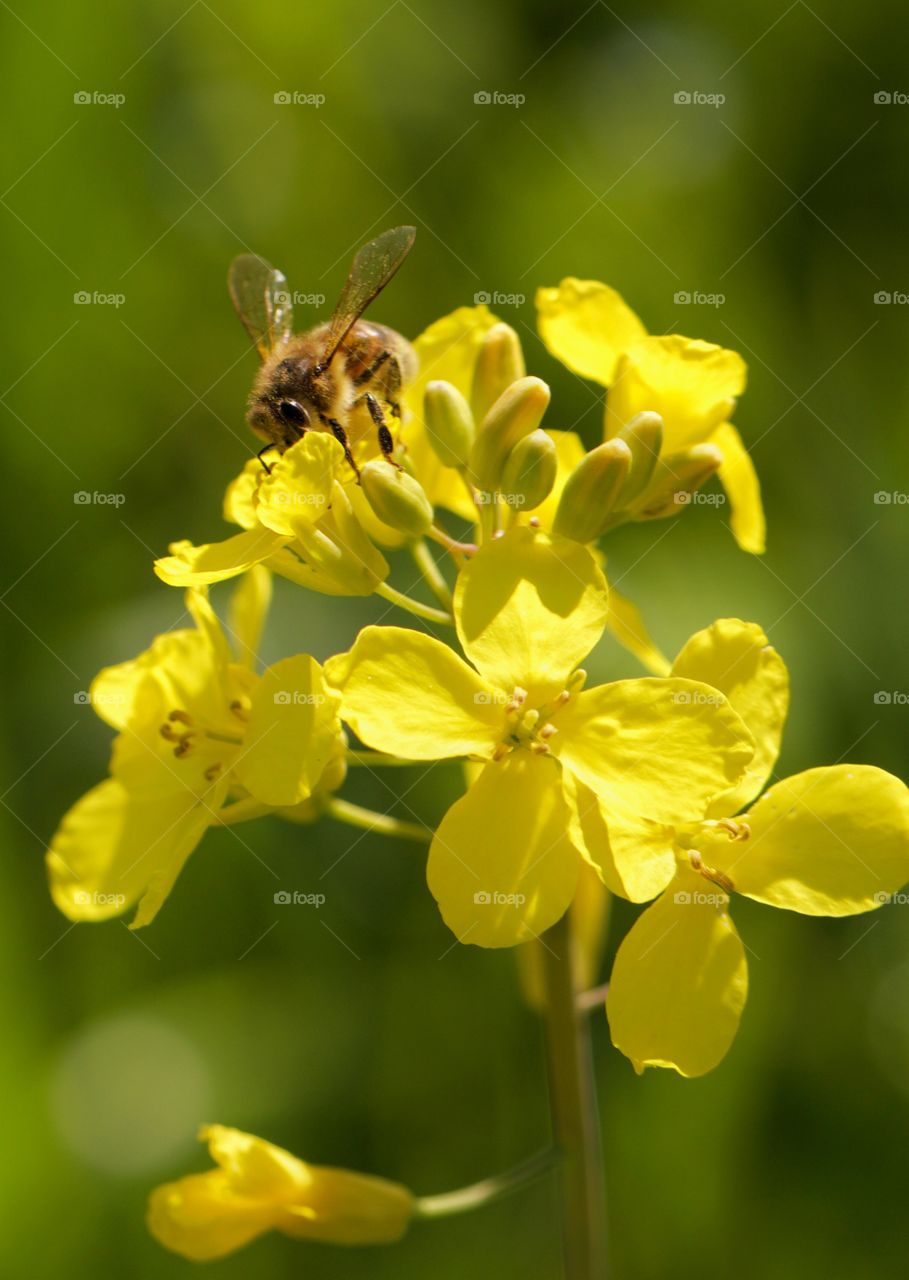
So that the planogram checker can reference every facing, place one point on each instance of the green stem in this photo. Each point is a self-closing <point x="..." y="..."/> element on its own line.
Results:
<point x="575" y="1123"/>
<point x="426" y="563"/>
<point x="377" y="760"/>
<point x="416" y="607"/>
<point x="479" y="1194"/>
<point x="368" y="820"/>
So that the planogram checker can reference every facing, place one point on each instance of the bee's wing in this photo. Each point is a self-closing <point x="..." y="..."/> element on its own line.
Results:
<point x="370" y="272"/>
<point x="262" y="301"/>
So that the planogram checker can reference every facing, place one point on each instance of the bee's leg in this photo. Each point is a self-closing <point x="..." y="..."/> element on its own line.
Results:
<point x="262" y="460"/>
<point x="341" y="436"/>
<point x="386" y="440"/>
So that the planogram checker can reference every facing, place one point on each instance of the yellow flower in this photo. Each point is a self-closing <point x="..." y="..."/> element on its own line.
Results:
<point x="258" y="1187"/>
<point x="692" y="385"/>
<point x="196" y="726"/>
<point x="826" y="842"/>
<point x="298" y="519"/>
<point x="503" y="864"/>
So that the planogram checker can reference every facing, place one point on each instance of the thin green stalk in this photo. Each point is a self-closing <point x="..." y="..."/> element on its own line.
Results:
<point x="575" y="1123"/>
<point x="416" y="607"/>
<point x="479" y="1194"/>
<point x="432" y="574"/>
<point x="368" y="820"/>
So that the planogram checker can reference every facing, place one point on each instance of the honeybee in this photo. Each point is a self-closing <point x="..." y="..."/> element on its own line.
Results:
<point x="336" y="377"/>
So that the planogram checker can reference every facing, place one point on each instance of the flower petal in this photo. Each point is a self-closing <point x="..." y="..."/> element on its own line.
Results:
<point x="502" y="866"/>
<point x="190" y="566"/>
<point x="292" y="733"/>
<point x="241" y="495"/>
<point x="248" y="610"/>
<point x="117" y="846"/>
<point x="587" y="326"/>
<point x="657" y="749"/>
<point x="827" y="842"/>
<point x="298" y="487"/>
<point x="691" y="384"/>
<point x="528" y="609"/>
<point x="406" y="693"/>
<point x="635" y="858"/>
<point x="626" y="623"/>
<point x="679" y="982"/>
<point x="738" y="659"/>
<point x="743" y="489"/>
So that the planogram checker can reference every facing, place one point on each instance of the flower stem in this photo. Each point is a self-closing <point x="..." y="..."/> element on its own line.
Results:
<point x="426" y="563"/>
<point x="573" y="1106"/>
<point x="416" y="607"/>
<point x="368" y="820"/>
<point x="488" y="1190"/>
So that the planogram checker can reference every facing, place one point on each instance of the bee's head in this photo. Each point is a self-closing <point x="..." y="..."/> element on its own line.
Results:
<point x="282" y="407"/>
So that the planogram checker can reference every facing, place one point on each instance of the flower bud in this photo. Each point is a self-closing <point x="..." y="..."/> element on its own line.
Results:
<point x="449" y="423"/>
<point x="517" y="412"/>
<point x="530" y="471"/>
<point x="499" y="364"/>
<point x="591" y="491"/>
<point x="676" y="478"/>
<point x="338" y="556"/>
<point x="396" y="497"/>
<point x="644" y="437"/>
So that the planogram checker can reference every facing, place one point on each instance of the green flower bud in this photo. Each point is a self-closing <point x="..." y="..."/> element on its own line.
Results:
<point x="396" y="497"/>
<point x="530" y="471"/>
<point x="517" y="412"/>
<point x="449" y="423"/>
<point x="591" y="491"/>
<point x="675" y="479"/>
<point x="644" y="437"/>
<point x="499" y="364"/>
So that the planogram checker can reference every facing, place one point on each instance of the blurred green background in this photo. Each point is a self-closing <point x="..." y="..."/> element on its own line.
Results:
<point x="361" y="1037"/>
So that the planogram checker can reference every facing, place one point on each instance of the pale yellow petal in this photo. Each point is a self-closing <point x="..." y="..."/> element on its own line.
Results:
<point x="743" y="490"/>
<point x="587" y="326"/>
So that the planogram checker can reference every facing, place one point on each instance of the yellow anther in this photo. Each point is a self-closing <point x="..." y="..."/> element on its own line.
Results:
<point x="183" y="717"/>
<point x="212" y="772"/>
<point x="540" y="748"/>
<point x="501" y="751"/>
<point x="240" y="710"/>
<point x="547" y="731"/>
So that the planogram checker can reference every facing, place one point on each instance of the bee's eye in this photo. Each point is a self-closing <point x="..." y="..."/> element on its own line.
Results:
<point x="294" y="413"/>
